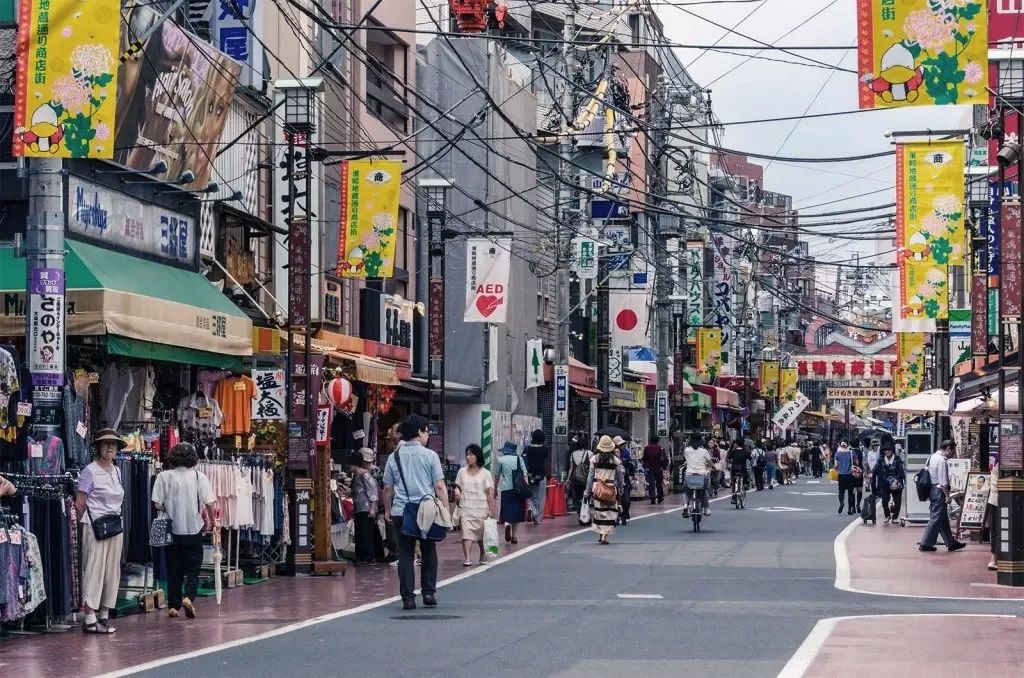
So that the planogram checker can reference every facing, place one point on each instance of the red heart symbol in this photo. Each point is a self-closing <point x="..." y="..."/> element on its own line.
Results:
<point x="488" y="304"/>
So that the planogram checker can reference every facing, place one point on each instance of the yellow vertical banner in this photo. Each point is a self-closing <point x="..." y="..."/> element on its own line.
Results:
<point x="65" y="91"/>
<point x="909" y="376"/>
<point x="930" y="230"/>
<point x="709" y="352"/>
<point x="370" y="191"/>
<point x="788" y="378"/>
<point x="770" y="378"/>
<point x="922" y="52"/>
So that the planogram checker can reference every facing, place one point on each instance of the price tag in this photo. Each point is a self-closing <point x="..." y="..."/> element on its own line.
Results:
<point x="3" y="536"/>
<point x="94" y="378"/>
<point x="36" y="450"/>
<point x="24" y="409"/>
<point x="239" y="385"/>
<point x="81" y="430"/>
<point x="16" y="537"/>
<point x="238" y="442"/>
<point x="204" y="412"/>
<point x="358" y="434"/>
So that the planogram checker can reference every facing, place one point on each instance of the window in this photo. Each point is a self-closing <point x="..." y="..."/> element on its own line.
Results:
<point x="386" y="78"/>
<point x="1011" y="79"/>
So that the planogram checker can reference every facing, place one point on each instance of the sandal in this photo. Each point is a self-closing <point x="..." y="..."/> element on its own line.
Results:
<point x="190" y="608"/>
<point x="467" y="564"/>
<point x="95" y="628"/>
<point x="172" y="612"/>
<point x="104" y="624"/>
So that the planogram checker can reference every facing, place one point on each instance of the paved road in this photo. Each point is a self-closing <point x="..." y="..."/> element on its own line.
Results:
<point x="737" y="599"/>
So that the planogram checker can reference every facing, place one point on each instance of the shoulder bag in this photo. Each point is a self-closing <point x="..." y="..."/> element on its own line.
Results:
<point x="161" y="532"/>
<point x="109" y="525"/>
<point x="519" y="484"/>
<point x="411" y="512"/>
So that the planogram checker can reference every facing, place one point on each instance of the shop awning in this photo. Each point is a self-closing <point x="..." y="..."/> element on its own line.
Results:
<point x="699" y="401"/>
<point x="451" y="387"/>
<point x="371" y="370"/>
<point x="117" y="294"/>
<point x="148" y="350"/>
<point x="721" y="398"/>
<point x="586" y="391"/>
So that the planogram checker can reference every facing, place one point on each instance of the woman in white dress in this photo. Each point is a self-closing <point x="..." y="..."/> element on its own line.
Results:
<point x="474" y="493"/>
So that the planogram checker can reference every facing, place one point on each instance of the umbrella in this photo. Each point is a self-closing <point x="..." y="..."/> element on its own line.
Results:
<point x="925" y="402"/>
<point x="612" y="431"/>
<point x="217" y="558"/>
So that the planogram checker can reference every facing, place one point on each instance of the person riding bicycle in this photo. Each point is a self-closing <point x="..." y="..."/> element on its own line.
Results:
<point x="698" y="463"/>
<point x="738" y="459"/>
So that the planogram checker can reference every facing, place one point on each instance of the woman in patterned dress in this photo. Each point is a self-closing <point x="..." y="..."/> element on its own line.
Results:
<point x="605" y="468"/>
<point x="474" y="493"/>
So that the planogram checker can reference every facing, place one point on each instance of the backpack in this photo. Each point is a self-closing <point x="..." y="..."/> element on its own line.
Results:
<point x="923" y="482"/>
<point x="760" y="459"/>
<point x="582" y="470"/>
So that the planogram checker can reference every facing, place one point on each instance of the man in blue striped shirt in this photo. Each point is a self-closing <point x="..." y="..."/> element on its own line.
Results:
<point x="938" y="520"/>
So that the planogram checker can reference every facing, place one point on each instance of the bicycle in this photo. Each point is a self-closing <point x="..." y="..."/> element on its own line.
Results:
<point x="695" y="484"/>
<point x="739" y="490"/>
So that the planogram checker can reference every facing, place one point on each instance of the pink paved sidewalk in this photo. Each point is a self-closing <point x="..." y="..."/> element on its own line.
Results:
<point x="244" y="612"/>
<point x="885" y="559"/>
<point x="948" y="646"/>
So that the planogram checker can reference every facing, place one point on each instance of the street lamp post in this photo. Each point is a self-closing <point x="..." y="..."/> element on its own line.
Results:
<point x="436" y="190"/>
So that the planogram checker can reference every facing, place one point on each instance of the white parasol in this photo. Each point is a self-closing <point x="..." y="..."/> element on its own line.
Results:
<point x="926" y="402"/>
<point x="217" y="558"/>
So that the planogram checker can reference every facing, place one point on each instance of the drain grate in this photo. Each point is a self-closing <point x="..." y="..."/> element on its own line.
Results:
<point x="263" y="620"/>
<point x="427" y="617"/>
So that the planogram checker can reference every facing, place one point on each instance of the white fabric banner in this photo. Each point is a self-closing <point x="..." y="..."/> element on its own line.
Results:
<point x="788" y="413"/>
<point x="488" y="261"/>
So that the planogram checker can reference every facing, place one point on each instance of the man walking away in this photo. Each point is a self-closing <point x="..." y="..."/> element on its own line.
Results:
<point x="938" y="497"/>
<point x="655" y="462"/>
<point x="413" y="473"/>
<point x="760" y="462"/>
<point x="771" y="464"/>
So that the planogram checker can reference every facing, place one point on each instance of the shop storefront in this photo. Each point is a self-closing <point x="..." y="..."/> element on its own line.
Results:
<point x="583" y="397"/>
<point x="627" y="409"/>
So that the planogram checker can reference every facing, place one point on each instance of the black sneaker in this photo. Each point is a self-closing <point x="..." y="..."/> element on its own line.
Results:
<point x="429" y="601"/>
<point x="957" y="546"/>
<point x="840" y="508"/>
<point x="927" y="549"/>
<point x="409" y="605"/>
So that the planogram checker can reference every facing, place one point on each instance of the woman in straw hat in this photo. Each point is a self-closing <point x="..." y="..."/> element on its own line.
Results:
<point x="100" y="494"/>
<point x="604" y="487"/>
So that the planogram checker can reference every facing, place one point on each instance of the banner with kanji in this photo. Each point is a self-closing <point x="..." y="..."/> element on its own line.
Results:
<point x="709" y="352"/>
<point x="930" y="232"/>
<point x="922" y="52"/>
<point x="369" y="218"/>
<point x="64" y="102"/>
<point x="788" y="378"/>
<point x="770" y="378"/>
<point x="909" y="376"/>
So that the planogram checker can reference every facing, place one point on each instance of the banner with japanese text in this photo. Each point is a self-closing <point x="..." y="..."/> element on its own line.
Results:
<point x="909" y="376"/>
<point x="370" y="191"/>
<point x="65" y="97"/>
<point x="694" y="263"/>
<point x="709" y="352"/>
<point x="770" y="378"/>
<point x="788" y="379"/>
<point x="488" y="267"/>
<point x="922" y="52"/>
<point x="930" y="232"/>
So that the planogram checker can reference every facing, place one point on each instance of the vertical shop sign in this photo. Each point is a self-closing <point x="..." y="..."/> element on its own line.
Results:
<point x="323" y="425"/>
<point x="694" y="287"/>
<point x="435" y="333"/>
<point x="585" y="259"/>
<point x="46" y="326"/>
<point x="721" y="313"/>
<point x="959" y="335"/>
<point x="1010" y="275"/>
<point x="368" y="230"/>
<point x="300" y="385"/>
<point x="992" y="226"/>
<point x="1011" y="457"/>
<point x="979" y="314"/>
<point x="561" y="414"/>
<point x="661" y="410"/>
<point x="298" y="271"/>
<point x="270" y="394"/>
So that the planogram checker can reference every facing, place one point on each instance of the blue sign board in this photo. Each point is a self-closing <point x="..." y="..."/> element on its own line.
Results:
<point x="608" y="209"/>
<point x="619" y="262"/>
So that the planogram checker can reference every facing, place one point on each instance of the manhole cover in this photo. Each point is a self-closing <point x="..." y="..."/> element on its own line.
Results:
<point x="427" y="617"/>
<point x="264" y="620"/>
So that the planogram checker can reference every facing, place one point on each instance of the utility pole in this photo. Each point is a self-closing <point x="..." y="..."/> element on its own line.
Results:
<point x="663" y="283"/>
<point x="566" y="183"/>
<point x="44" y="294"/>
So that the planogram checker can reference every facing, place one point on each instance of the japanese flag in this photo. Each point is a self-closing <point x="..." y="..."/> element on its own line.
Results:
<point x="628" y="312"/>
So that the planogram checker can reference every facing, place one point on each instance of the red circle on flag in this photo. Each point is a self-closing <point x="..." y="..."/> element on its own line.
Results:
<point x="626" y="319"/>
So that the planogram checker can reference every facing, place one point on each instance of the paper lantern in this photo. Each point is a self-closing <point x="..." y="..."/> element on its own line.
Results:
<point x="339" y="391"/>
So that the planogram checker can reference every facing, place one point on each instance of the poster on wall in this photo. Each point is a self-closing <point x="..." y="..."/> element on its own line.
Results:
<point x="270" y="394"/>
<point x="368" y="229"/>
<point x="488" y="264"/>
<point x="172" y="100"/>
<point x="66" y="79"/>
<point x="46" y="326"/>
<point x="709" y="352"/>
<point x="922" y="52"/>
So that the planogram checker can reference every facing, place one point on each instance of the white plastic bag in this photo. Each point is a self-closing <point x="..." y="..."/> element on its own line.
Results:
<point x="585" y="514"/>
<point x="491" y="537"/>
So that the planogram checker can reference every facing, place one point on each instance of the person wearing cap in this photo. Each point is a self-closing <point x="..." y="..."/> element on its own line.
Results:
<point x="625" y="455"/>
<point x="843" y="462"/>
<point x="605" y="467"/>
<point x="365" y="494"/>
<point x="938" y="497"/>
<point x="100" y="493"/>
<point x="887" y="481"/>
<point x="512" y="508"/>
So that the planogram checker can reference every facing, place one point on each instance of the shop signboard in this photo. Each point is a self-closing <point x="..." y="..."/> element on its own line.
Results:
<point x="299" y="272"/>
<point x="789" y="412"/>
<point x="435" y="331"/>
<point x="1010" y="274"/>
<point x="976" y="493"/>
<point x="959" y="335"/>
<point x="991" y="230"/>
<point x="111" y="218"/>
<point x="958" y="470"/>
<point x="300" y="386"/>
<point x="300" y="447"/>
<point x="235" y="25"/>
<point x="585" y="258"/>
<point x="979" y="314"/>
<point x="323" y="425"/>
<point x="560" y="420"/>
<point x="270" y="394"/>
<point x="1010" y="457"/>
<point x="46" y="331"/>
<point x="858" y="393"/>
<point x="396" y="328"/>
<point x="694" y="288"/>
<point x="661" y="413"/>
<point x="172" y="104"/>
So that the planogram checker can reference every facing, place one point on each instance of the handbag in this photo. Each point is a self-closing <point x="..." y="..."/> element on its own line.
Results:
<point x="833" y="474"/>
<point x="160" y="533"/>
<point x="106" y="526"/>
<point x="604" y="491"/>
<point x="519" y="484"/>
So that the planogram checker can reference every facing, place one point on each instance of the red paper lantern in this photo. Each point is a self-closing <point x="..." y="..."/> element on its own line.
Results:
<point x="470" y="15"/>
<point x="339" y="391"/>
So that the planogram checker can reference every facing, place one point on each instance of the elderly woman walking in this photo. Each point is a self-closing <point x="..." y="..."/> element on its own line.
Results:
<point x="604" y="487"/>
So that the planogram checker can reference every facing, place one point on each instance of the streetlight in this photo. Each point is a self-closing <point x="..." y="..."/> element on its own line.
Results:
<point x="436" y="193"/>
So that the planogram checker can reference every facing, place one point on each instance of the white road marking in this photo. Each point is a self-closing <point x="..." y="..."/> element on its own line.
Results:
<point x="640" y="596"/>
<point x="157" y="663"/>
<point x="779" y="509"/>
<point x="843" y="581"/>
<point x="804" y="656"/>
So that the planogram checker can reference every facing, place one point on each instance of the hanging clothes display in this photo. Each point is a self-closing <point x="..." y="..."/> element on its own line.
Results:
<point x="76" y="431"/>
<point x="199" y="414"/>
<point x="235" y="396"/>
<point x="136" y="477"/>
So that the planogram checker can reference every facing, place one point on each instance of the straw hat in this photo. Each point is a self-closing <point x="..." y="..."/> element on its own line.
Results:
<point x="605" y="444"/>
<point x="619" y="442"/>
<point x="108" y="435"/>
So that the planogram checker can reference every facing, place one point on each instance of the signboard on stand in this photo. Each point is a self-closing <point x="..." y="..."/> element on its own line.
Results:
<point x="1010" y="458"/>
<point x="976" y="492"/>
<point x="561" y="414"/>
